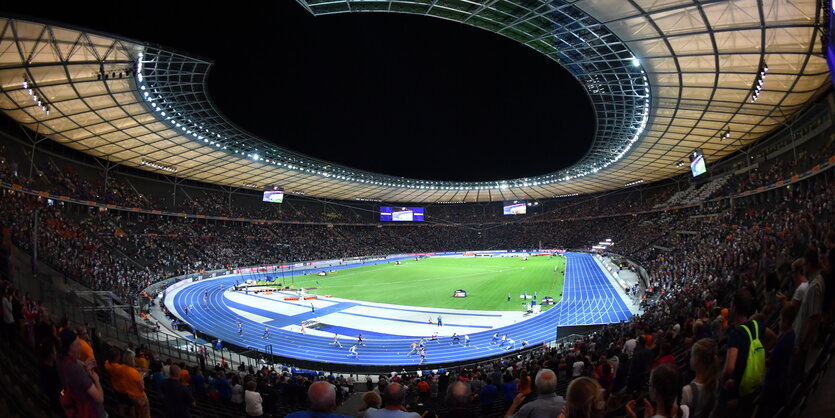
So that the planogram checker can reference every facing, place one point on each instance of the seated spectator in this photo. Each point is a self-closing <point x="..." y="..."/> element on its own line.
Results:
<point x="177" y="399"/>
<point x="700" y="394"/>
<point x="458" y="400"/>
<point x="371" y="400"/>
<point x="393" y="398"/>
<point x="322" y="397"/>
<point x="584" y="399"/>
<point x="547" y="402"/>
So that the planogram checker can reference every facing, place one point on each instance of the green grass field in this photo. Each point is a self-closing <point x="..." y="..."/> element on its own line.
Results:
<point x="430" y="282"/>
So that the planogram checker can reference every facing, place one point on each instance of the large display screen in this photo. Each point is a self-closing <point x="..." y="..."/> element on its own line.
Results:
<point x="400" y="214"/>
<point x="830" y="47"/>
<point x="697" y="163"/>
<point x="273" y="194"/>
<point x="516" y="207"/>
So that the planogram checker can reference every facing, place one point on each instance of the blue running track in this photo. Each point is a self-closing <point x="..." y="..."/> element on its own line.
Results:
<point x="588" y="299"/>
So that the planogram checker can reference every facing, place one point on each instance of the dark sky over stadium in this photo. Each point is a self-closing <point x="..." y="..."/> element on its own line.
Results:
<point x="396" y="94"/>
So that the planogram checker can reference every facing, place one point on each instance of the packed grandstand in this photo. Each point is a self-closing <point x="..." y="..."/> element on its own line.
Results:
<point x="88" y="248"/>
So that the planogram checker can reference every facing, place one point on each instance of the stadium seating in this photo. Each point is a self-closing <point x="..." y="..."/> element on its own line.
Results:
<point x="694" y="256"/>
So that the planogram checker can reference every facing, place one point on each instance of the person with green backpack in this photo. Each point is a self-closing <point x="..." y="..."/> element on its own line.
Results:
<point x="744" y="369"/>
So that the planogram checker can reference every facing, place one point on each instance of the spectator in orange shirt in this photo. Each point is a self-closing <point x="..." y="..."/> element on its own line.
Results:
<point x="185" y="379"/>
<point x="117" y="379"/>
<point x="86" y="351"/>
<point x="141" y="361"/>
<point x="135" y="387"/>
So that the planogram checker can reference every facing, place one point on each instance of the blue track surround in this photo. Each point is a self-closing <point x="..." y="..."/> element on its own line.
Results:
<point x="588" y="299"/>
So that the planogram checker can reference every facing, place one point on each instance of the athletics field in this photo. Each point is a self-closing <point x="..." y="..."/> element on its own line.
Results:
<point x="431" y="282"/>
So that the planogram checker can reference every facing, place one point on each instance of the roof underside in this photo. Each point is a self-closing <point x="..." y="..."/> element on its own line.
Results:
<point x="701" y="60"/>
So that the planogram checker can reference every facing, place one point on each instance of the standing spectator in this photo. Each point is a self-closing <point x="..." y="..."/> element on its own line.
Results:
<point x="135" y="386"/>
<point x="665" y="391"/>
<point x="801" y="284"/>
<point x="775" y="385"/>
<point x="577" y="367"/>
<point x="253" y="400"/>
<point x="177" y="399"/>
<point x="82" y="389"/>
<point x="524" y="383"/>
<point x="237" y="390"/>
<point x="731" y="399"/>
<point x="640" y="365"/>
<point x="8" y="316"/>
<point x="158" y="377"/>
<point x="86" y="350"/>
<point x="700" y="394"/>
<point x="198" y="384"/>
<point x="185" y="377"/>
<point x="487" y="396"/>
<point x="118" y="380"/>
<point x="811" y="308"/>
<point x="584" y="399"/>
<point x="629" y="345"/>
<point x="224" y="389"/>
<point x="423" y="389"/>
<point x="508" y="390"/>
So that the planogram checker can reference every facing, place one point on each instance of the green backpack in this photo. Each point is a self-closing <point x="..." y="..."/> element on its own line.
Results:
<point x="752" y="377"/>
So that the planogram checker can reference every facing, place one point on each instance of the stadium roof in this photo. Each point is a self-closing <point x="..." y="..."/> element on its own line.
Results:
<point x="665" y="77"/>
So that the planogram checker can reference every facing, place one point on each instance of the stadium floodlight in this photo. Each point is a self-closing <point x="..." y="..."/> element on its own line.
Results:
<point x="636" y="62"/>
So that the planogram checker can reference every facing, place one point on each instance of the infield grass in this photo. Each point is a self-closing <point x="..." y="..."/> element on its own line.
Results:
<point x="431" y="282"/>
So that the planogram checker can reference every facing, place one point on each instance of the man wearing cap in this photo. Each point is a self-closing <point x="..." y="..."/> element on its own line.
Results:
<point x="80" y="380"/>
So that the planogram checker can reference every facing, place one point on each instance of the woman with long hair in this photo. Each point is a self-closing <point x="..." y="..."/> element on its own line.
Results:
<point x="665" y="392"/>
<point x="584" y="399"/>
<point x="700" y="394"/>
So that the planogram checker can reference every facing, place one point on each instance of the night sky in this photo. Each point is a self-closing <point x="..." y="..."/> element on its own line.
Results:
<point x="395" y="94"/>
